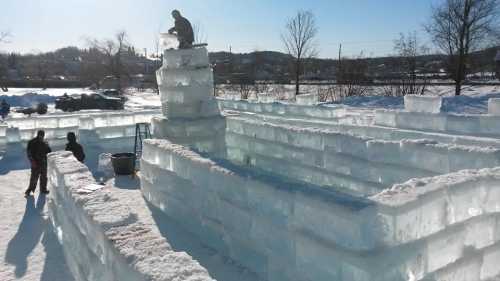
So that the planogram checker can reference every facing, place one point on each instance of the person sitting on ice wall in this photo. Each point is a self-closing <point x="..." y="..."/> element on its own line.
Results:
<point x="75" y="147"/>
<point x="183" y="29"/>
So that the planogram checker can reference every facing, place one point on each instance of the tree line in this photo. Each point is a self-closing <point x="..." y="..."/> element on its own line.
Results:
<point x="457" y="28"/>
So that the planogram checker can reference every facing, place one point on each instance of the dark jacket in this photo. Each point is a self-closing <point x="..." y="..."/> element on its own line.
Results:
<point x="37" y="151"/>
<point x="77" y="150"/>
<point x="184" y="30"/>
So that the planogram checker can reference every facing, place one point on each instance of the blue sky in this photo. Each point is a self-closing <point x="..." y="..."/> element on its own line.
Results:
<point x="245" y="25"/>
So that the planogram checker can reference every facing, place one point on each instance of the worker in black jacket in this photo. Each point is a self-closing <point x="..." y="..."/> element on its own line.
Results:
<point x="183" y="29"/>
<point x="37" y="152"/>
<point x="75" y="147"/>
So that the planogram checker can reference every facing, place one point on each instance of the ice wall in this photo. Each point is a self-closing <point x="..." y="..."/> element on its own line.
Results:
<point x="102" y="237"/>
<point x="376" y="132"/>
<point x="3" y="134"/>
<point x="307" y="99"/>
<point x="471" y="125"/>
<point x="438" y="228"/>
<point x="494" y="107"/>
<point x="355" y="164"/>
<point x="106" y="124"/>
<point x="191" y="114"/>
<point x="423" y="104"/>
<point x="331" y="114"/>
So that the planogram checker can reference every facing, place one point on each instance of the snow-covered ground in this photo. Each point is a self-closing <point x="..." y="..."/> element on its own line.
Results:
<point x="29" y="249"/>
<point x="474" y="99"/>
<point x="29" y="97"/>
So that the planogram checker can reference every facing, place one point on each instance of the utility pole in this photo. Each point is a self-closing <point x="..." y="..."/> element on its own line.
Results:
<point x="340" y="62"/>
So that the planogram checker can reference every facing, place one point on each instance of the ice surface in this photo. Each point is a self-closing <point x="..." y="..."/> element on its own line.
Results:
<point x="3" y="130"/>
<point x="194" y="110"/>
<point x="168" y="41"/>
<point x="307" y="99"/>
<point x="385" y="118"/>
<point x="186" y="58"/>
<point x="494" y="106"/>
<point x="427" y="104"/>
<point x="451" y="124"/>
<point x="266" y="97"/>
<point x="186" y="94"/>
<point x="184" y="77"/>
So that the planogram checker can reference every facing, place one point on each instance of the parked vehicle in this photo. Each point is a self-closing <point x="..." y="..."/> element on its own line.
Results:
<point x="92" y="101"/>
<point x="41" y="109"/>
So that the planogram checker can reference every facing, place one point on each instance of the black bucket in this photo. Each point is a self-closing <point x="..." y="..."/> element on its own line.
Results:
<point x="123" y="163"/>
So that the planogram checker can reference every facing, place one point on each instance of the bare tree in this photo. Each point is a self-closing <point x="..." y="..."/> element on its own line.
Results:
<point x="113" y="49"/>
<point x="352" y="78"/>
<point x="459" y="27"/>
<point x="408" y="49"/>
<point x="300" y="32"/>
<point x="3" y="61"/>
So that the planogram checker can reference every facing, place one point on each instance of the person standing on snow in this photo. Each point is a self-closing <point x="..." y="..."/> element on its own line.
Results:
<point x="4" y="109"/>
<point x="75" y="147"/>
<point x="37" y="151"/>
<point x="183" y="29"/>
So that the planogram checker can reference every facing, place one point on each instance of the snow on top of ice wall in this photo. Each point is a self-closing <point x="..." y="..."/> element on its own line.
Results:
<point x="142" y="248"/>
<point x="453" y="124"/>
<point x="412" y="190"/>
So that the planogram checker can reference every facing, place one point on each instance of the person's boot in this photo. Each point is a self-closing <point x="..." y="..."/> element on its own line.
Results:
<point x="27" y="193"/>
<point x="44" y="191"/>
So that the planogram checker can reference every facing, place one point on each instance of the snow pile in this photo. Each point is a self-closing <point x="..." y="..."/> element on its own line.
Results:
<point x="430" y="228"/>
<point x="104" y="239"/>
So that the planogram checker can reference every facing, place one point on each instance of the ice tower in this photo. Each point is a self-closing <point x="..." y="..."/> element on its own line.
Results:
<point x="191" y="114"/>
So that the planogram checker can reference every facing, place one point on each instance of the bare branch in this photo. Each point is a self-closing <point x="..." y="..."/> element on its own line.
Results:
<point x="298" y="39"/>
<point x="113" y="49"/>
<point x="199" y="33"/>
<point x="4" y="35"/>
<point x="459" y="27"/>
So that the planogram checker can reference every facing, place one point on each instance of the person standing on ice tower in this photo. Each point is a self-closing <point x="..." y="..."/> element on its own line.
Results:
<point x="183" y="29"/>
<point x="37" y="151"/>
<point x="75" y="147"/>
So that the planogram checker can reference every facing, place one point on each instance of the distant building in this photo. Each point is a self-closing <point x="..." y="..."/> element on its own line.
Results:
<point x="497" y="64"/>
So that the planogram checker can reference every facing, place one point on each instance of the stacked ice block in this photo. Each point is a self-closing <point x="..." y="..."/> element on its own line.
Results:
<point x="191" y="114"/>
